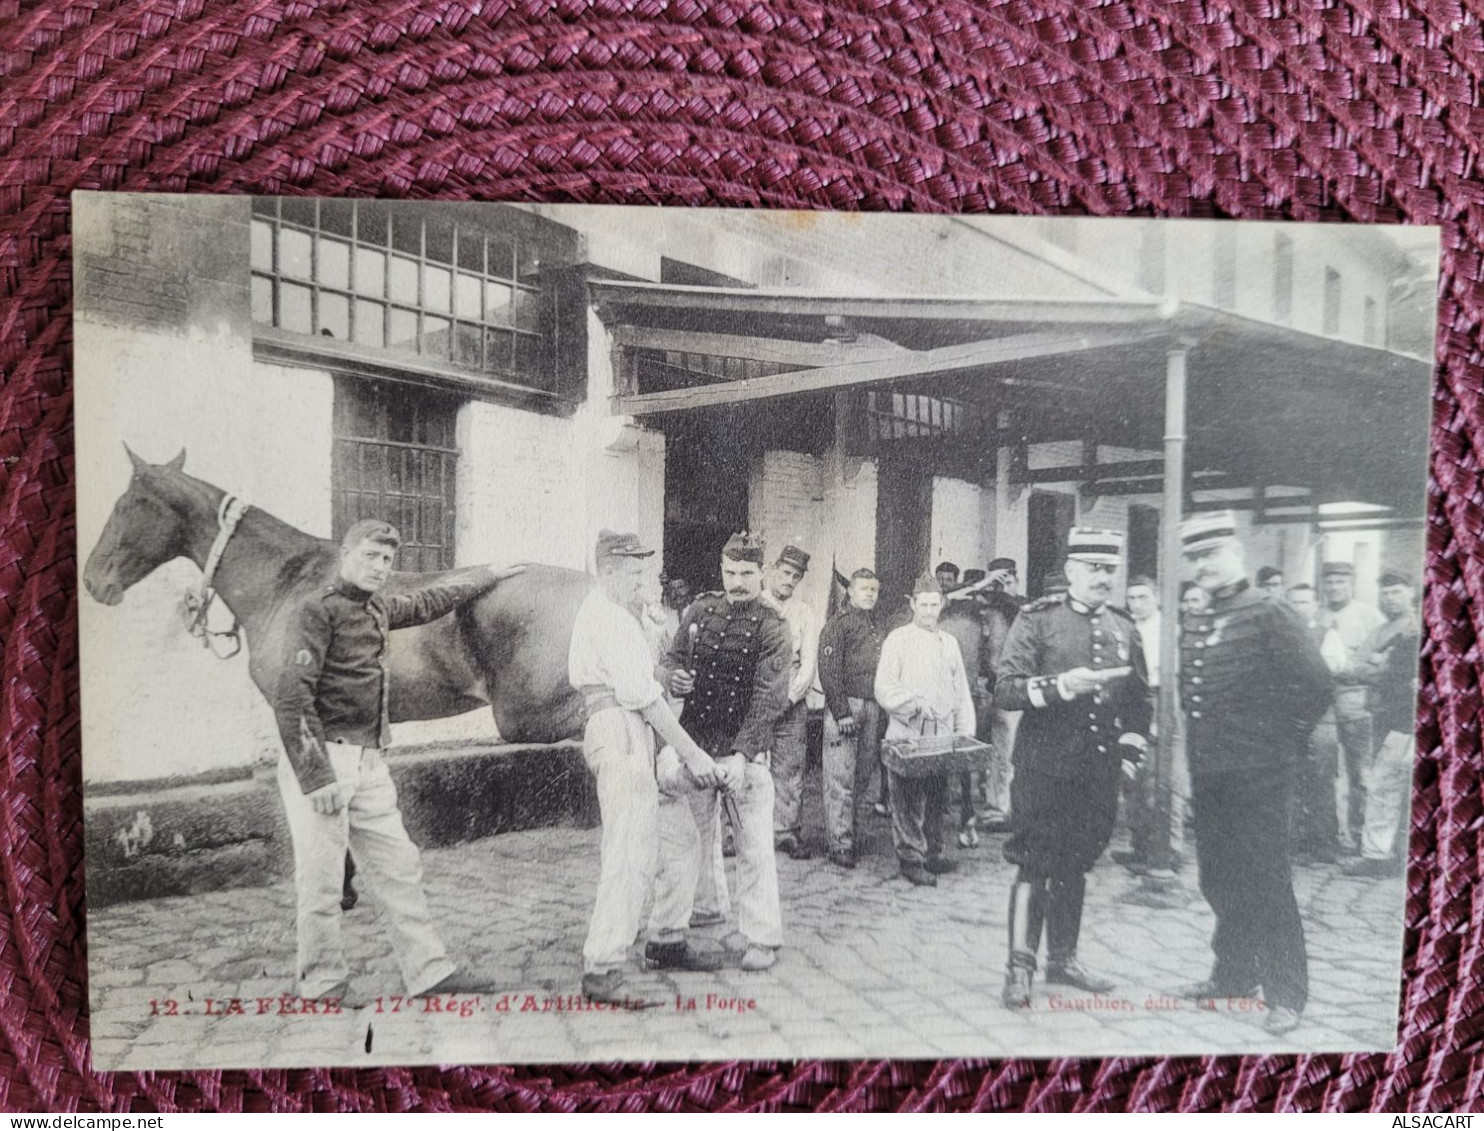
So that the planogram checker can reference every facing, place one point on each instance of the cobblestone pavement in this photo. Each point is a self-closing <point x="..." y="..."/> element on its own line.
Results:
<point x="873" y="967"/>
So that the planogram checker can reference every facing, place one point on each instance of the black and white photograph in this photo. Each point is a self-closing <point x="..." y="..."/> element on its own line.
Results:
<point x="526" y="633"/>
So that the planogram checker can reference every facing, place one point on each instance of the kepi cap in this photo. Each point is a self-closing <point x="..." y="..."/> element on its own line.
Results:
<point x="743" y="547"/>
<point x="795" y="557"/>
<point x="1002" y="563"/>
<point x="1054" y="582"/>
<point x="1337" y="569"/>
<point x="1392" y="577"/>
<point x="614" y="545"/>
<point x="927" y="583"/>
<point x="1201" y="531"/>
<point x="1095" y="545"/>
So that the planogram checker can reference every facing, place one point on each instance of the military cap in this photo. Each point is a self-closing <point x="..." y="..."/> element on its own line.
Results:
<point x="1054" y="582"/>
<point x="1002" y="563"/>
<point x="971" y="576"/>
<point x="373" y="530"/>
<point x="795" y="557"/>
<point x="1392" y="577"/>
<point x="927" y="583"/>
<point x="1338" y="569"/>
<point x="743" y="547"/>
<point x="1267" y="573"/>
<point x="1200" y="531"/>
<point x="614" y="545"/>
<point x="1095" y="546"/>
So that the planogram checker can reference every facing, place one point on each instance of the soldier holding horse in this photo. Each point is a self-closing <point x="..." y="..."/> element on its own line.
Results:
<point x="331" y="705"/>
<point x="318" y="621"/>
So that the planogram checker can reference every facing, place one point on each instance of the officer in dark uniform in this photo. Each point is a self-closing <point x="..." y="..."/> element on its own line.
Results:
<point x="1073" y="663"/>
<point x="732" y="660"/>
<point x="1252" y="685"/>
<point x="331" y="708"/>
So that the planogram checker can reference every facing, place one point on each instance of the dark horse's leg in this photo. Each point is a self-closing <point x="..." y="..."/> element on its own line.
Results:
<point x="349" y="898"/>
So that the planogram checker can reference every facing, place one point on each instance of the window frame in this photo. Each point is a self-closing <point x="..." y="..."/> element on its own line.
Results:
<point x="352" y="394"/>
<point x="544" y="386"/>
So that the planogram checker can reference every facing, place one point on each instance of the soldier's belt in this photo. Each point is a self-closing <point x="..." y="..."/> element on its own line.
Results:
<point x="597" y="699"/>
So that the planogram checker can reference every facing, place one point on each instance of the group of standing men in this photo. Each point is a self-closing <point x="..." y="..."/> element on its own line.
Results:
<point x="1255" y="678"/>
<point x="1069" y="676"/>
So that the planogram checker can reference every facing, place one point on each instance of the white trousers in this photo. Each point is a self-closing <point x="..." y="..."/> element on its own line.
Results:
<point x="618" y="747"/>
<point x="682" y="863"/>
<point x="370" y="826"/>
<point x="712" y="896"/>
<point x="1388" y="789"/>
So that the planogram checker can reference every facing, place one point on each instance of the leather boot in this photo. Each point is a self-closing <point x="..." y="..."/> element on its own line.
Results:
<point x="1027" y="902"/>
<point x="1063" y="928"/>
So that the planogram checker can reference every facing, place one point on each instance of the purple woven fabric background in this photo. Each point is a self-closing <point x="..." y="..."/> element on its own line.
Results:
<point x="1257" y="108"/>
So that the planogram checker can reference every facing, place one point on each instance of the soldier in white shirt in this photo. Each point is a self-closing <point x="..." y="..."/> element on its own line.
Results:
<point x="790" y="735"/>
<point x="611" y="664"/>
<point x="921" y="684"/>
<point x="1354" y="621"/>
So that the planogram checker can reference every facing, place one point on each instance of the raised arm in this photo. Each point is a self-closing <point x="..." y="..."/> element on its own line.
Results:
<point x="433" y="601"/>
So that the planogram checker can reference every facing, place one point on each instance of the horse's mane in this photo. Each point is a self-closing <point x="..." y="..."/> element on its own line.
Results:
<point x="307" y="566"/>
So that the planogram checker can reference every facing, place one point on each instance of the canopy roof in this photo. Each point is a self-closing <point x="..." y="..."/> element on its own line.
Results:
<point x="1268" y="404"/>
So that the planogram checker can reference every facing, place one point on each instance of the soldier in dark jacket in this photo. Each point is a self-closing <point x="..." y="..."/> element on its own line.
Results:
<point x="849" y="649"/>
<point x="331" y="707"/>
<point x="1074" y="665"/>
<point x="732" y="661"/>
<point x="1252" y="686"/>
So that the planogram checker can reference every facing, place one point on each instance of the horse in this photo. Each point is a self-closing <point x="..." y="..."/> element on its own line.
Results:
<point x="506" y="649"/>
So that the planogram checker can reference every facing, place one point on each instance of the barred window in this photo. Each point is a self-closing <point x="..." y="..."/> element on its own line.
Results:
<point x="900" y="416"/>
<point x="395" y="458"/>
<point x="383" y="277"/>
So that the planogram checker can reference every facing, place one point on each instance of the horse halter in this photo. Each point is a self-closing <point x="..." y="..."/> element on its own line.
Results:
<point x="198" y="604"/>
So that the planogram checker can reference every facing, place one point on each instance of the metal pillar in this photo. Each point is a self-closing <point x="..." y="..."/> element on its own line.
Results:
<point x="1159" y="886"/>
<point x="1167" y="708"/>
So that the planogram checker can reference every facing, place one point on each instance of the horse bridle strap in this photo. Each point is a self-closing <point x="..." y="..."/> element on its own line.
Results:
<point x="229" y="513"/>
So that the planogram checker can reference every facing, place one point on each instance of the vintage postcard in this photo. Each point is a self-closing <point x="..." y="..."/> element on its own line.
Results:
<point x="555" y="633"/>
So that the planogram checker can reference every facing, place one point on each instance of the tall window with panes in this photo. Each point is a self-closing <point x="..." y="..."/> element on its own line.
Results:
<point x="398" y="282"/>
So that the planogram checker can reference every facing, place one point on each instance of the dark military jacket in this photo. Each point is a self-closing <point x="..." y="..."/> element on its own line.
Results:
<point x="849" y="650"/>
<point x="334" y="681"/>
<point x="743" y="663"/>
<point x="963" y="620"/>
<point x="1071" y="738"/>
<point x="1252" y="683"/>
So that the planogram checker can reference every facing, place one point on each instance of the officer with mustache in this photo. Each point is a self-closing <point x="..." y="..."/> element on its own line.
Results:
<point x="1074" y="664"/>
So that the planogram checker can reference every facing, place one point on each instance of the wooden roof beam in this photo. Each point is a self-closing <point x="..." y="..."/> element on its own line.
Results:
<point x="615" y="298"/>
<point x="779" y="351"/>
<point x="914" y="363"/>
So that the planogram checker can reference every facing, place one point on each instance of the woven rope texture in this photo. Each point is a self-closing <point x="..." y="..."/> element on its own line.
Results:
<point x="1248" y="108"/>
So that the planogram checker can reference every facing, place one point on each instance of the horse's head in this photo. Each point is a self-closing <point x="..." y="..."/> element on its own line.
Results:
<point x="147" y="528"/>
